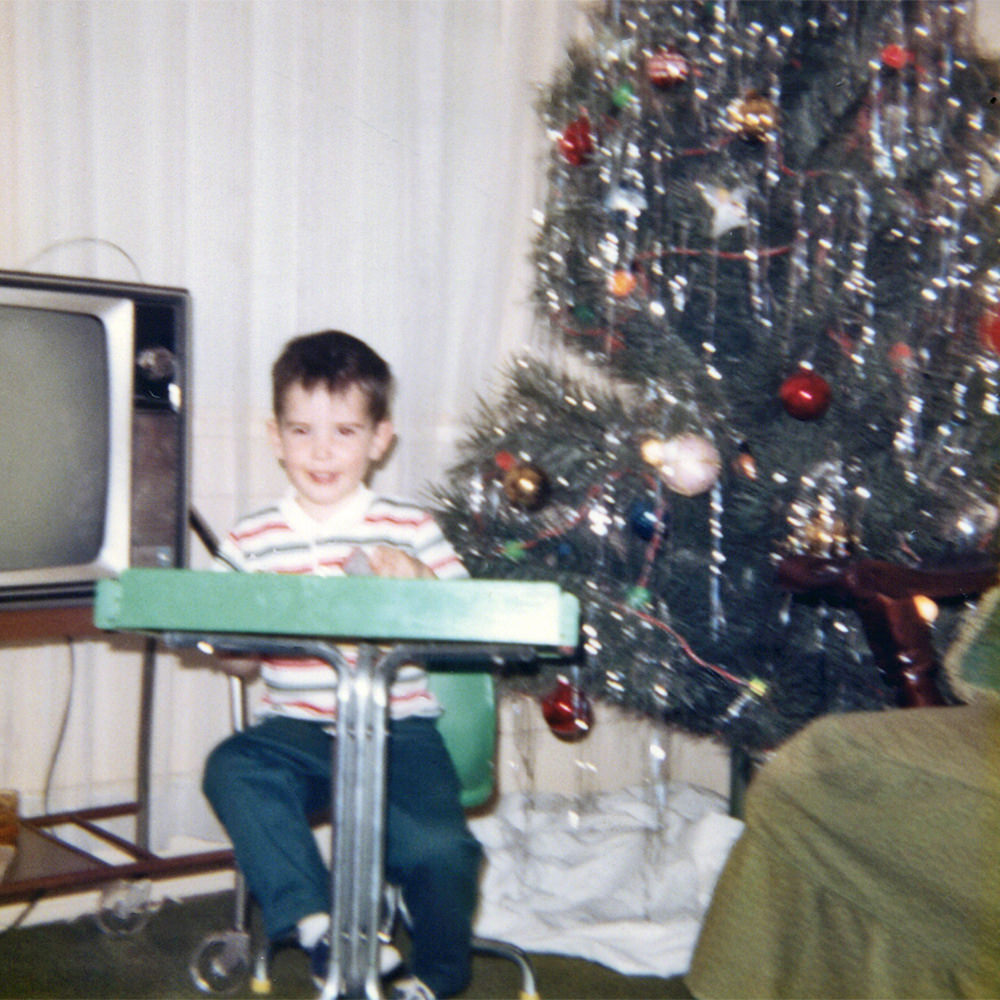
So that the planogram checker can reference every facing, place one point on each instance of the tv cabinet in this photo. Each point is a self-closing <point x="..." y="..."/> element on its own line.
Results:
<point x="45" y="864"/>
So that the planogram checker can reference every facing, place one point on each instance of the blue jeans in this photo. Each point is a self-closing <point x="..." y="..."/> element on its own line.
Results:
<point x="265" y="782"/>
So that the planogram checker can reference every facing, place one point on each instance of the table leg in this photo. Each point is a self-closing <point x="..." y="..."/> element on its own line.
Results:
<point x="145" y="747"/>
<point x="358" y="821"/>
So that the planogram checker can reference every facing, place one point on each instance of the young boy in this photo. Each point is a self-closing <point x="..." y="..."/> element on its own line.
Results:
<point x="331" y="425"/>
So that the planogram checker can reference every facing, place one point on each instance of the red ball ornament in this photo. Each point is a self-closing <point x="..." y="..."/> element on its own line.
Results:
<point x="505" y="460"/>
<point x="901" y="358"/>
<point x="805" y="395"/>
<point x="896" y="57"/>
<point x="576" y="143"/>
<point x="989" y="329"/>
<point x="666" y="68"/>
<point x="567" y="711"/>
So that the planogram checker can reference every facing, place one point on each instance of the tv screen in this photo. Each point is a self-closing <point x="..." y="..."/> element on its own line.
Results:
<point x="92" y="433"/>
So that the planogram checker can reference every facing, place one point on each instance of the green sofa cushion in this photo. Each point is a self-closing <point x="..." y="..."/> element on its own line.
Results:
<point x="972" y="664"/>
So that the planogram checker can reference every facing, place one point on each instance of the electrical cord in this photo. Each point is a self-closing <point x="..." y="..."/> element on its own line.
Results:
<point x="77" y="240"/>
<point x="57" y="749"/>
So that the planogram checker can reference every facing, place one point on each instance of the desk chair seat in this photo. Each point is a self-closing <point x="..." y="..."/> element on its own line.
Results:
<point x="468" y="727"/>
<point x="469" y="730"/>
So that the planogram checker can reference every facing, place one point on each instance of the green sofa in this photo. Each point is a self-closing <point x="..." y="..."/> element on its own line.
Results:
<point x="869" y="865"/>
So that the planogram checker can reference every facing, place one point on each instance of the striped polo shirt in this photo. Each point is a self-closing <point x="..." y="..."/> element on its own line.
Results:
<point x="283" y="538"/>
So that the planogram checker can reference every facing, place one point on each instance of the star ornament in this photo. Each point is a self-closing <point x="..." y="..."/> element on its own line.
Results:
<point x="628" y="200"/>
<point x="729" y="208"/>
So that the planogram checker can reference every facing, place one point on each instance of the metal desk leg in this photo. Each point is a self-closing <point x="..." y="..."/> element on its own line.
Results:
<point x="357" y="867"/>
<point x="145" y="748"/>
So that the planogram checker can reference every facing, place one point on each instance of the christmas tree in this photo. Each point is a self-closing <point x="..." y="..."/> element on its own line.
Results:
<point x="761" y="421"/>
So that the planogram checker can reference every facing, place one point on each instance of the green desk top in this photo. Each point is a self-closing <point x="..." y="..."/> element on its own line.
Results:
<point x="340" y="608"/>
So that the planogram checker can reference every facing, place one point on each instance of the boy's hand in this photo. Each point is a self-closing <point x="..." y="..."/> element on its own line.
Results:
<point x="387" y="561"/>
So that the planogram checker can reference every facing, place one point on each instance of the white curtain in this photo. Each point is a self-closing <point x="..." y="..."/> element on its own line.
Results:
<point x="370" y="165"/>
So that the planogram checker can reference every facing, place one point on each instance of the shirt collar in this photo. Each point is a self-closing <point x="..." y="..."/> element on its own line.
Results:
<point x="348" y="512"/>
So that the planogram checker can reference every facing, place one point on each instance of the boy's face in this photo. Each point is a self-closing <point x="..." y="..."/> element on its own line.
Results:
<point x="327" y="442"/>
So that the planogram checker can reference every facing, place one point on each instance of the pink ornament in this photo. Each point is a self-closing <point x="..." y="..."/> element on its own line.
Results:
<point x="689" y="464"/>
<point x="666" y="68"/>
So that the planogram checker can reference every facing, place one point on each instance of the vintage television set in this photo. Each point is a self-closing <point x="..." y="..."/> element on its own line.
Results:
<point x="93" y="434"/>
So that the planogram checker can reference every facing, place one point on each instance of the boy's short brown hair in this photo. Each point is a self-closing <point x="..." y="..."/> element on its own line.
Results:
<point x="337" y="360"/>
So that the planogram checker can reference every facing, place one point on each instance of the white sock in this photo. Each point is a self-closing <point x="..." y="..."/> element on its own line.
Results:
<point x="389" y="958"/>
<point x="311" y="928"/>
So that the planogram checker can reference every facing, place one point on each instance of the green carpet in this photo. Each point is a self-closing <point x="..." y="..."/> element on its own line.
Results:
<point x="78" y="959"/>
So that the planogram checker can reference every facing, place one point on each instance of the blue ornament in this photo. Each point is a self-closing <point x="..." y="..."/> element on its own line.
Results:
<point x="642" y="518"/>
<point x="565" y="551"/>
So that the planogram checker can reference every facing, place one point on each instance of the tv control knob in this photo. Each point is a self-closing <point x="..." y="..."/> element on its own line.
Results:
<point x="157" y="364"/>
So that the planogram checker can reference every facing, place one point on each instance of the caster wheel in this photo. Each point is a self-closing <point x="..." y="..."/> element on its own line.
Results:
<point x="221" y="963"/>
<point x="125" y="908"/>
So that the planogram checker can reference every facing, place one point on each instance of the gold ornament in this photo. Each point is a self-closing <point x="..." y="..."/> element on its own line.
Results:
<point x="825" y="534"/>
<point x="526" y="486"/>
<point x="754" y="116"/>
<point x="744" y="464"/>
<point x="926" y="607"/>
<point x="622" y="283"/>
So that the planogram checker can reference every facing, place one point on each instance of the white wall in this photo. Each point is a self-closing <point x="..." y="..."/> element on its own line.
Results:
<point x="987" y="27"/>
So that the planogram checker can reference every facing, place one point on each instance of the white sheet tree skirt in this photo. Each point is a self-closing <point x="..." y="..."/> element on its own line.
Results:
<point x="622" y="878"/>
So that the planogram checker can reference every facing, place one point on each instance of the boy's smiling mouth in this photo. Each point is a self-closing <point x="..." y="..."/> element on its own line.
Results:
<point x="324" y="478"/>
